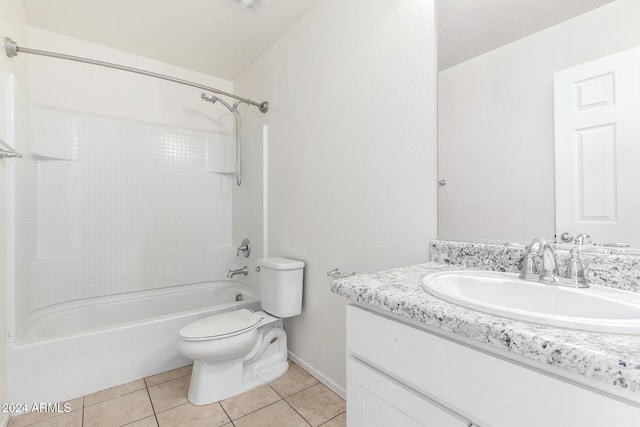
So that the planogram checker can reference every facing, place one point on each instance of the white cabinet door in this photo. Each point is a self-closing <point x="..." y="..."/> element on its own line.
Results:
<point x="376" y="401"/>
<point x="597" y="148"/>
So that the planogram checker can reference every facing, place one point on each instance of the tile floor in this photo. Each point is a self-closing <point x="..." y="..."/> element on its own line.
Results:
<point x="295" y="399"/>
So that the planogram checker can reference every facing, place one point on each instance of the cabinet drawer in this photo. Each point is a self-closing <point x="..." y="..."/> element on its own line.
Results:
<point x="377" y="401"/>
<point x="487" y="390"/>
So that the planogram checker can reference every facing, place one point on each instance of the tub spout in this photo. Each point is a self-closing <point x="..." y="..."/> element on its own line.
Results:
<point x="244" y="270"/>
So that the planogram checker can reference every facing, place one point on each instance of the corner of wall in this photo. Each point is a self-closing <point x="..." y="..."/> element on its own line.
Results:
<point x="351" y="181"/>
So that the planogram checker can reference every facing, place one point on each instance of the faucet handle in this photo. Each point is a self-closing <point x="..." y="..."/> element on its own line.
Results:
<point x="529" y="270"/>
<point x="575" y="269"/>
<point x="582" y="239"/>
<point x="245" y="248"/>
<point x="566" y="237"/>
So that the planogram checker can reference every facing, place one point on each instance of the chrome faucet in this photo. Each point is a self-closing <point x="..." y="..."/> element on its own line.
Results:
<point x="547" y="270"/>
<point x="244" y="270"/>
<point x="530" y="269"/>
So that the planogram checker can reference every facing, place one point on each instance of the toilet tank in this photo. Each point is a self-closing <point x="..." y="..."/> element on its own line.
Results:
<point x="281" y="286"/>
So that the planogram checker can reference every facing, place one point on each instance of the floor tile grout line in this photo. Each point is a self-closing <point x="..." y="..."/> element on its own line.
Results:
<point x="153" y="408"/>
<point x="225" y="411"/>
<point x="306" y="388"/>
<point x="255" y="410"/>
<point x="82" y="419"/>
<point x="303" y="389"/>
<point x="298" y="391"/>
<point x="249" y="413"/>
<point x="296" y="411"/>
<point x="270" y="404"/>
<point x="165" y="381"/>
<point x="343" y="412"/>
<point x="112" y="398"/>
<point x="173" y="407"/>
<point x="146" y="385"/>
<point x="276" y="391"/>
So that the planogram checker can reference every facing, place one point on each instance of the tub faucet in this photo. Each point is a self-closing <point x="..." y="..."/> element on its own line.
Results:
<point x="244" y="270"/>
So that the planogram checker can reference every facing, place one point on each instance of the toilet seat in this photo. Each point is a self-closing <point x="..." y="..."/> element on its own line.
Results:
<point x="221" y="325"/>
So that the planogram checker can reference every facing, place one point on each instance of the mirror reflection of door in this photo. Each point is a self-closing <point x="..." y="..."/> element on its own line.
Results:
<point x="597" y="148"/>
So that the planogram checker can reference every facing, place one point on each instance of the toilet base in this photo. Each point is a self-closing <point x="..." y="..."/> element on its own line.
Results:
<point x="219" y="380"/>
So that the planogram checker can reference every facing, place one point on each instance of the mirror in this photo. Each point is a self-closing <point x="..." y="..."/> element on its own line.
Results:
<point x="496" y="126"/>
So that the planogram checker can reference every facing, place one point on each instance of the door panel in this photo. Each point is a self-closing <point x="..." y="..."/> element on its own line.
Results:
<point x="597" y="148"/>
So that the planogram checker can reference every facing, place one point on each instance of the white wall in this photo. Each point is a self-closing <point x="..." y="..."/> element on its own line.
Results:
<point x="13" y="76"/>
<point x="91" y="89"/>
<point x="352" y="153"/>
<point x="495" y="126"/>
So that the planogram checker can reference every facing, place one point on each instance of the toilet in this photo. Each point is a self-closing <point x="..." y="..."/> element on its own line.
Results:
<point x="236" y="351"/>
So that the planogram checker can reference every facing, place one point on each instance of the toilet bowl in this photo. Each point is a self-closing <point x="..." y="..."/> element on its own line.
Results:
<point x="236" y="351"/>
<point x="232" y="352"/>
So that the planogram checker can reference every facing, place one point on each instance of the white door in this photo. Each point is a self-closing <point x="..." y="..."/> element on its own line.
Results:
<point x="597" y="148"/>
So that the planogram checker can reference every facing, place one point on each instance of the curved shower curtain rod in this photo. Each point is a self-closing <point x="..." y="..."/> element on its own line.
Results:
<point x="12" y="49"/>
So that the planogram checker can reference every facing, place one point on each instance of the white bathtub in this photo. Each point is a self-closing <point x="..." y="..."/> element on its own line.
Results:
<point x="80" y="347"/>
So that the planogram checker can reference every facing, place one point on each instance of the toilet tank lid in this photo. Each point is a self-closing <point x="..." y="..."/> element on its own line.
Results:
<point x="222" y="324"/>
<point x="280" y="263"/>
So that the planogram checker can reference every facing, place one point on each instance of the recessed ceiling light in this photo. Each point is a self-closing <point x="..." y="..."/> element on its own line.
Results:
<point x="252" y="4"/>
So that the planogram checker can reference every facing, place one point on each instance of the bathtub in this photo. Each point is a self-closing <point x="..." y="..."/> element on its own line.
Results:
<point x="80" y="347"/>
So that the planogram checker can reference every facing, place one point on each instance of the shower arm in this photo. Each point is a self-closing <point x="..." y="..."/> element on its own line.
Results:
<point x="12" y="49"/>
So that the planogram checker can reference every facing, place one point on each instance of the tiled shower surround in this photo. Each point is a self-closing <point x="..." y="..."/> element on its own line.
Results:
<point x="118" y="206"/>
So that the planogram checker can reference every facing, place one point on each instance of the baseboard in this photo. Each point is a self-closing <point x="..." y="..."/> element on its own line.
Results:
<point x="4" y="419"/>
<point x="319" y="376"/>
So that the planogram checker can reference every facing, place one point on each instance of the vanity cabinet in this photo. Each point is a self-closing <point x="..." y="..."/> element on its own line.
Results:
<point x="402" y="375"/>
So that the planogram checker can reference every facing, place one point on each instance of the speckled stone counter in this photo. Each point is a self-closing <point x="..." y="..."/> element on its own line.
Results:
<point x="602" y="266"/>
<point x="608" y="358"/>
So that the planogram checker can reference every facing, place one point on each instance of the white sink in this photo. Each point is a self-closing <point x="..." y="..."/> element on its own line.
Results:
<point x="597" y="308"/>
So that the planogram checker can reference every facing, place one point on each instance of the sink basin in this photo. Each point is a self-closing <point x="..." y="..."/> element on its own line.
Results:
<point x="596" y="309"/>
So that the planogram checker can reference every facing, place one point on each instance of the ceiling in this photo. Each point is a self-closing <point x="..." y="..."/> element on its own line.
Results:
<point x="216" y="37"/>
<point x="468" y="28"/>
<point x="222" y="38"/>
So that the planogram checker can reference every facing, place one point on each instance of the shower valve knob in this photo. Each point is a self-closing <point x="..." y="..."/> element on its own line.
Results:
<point x="245" y="248"/>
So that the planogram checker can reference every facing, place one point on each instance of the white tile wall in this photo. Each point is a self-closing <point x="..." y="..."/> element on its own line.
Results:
<point x="123" y="206"/>
<point x="24" y="207"/>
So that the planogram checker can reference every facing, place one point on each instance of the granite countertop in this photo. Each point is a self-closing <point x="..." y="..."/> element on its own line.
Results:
<point x="608" y="358"/>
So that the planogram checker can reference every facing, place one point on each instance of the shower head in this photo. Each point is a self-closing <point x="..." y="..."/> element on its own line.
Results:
<point x="208" y="97"/>
<point x="212" y="99"/>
